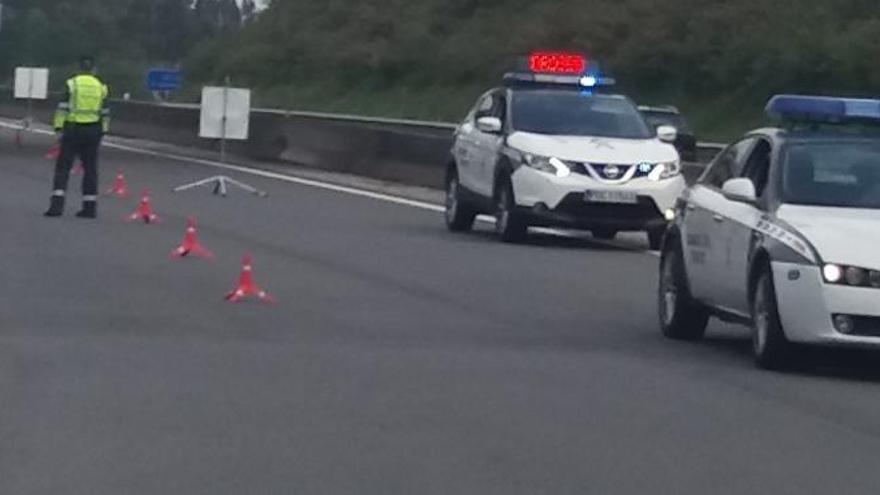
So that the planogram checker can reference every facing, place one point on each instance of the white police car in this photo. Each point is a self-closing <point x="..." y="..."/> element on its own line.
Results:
<point x="550" y="149"/>
<point x="782" y="232"/>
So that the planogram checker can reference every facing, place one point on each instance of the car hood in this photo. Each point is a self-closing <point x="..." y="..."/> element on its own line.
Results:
<point x="594" y="149"/>
<point x="849" y="236"/>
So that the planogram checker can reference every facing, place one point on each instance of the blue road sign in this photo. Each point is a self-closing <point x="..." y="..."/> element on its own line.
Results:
<point x="164" y="79"/>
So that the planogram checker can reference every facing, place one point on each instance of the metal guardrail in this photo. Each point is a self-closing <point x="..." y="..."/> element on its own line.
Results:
<point x="407" y="151"/>
<point x="709" y="146"/>
<point x="358" y="119"/>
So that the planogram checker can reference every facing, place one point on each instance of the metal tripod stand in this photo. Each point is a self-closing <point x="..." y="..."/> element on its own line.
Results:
<point x="221" y="183"/>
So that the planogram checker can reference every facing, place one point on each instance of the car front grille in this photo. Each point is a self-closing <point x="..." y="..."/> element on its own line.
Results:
<point x="601" y="170"/>
<point x="645" y="209"/>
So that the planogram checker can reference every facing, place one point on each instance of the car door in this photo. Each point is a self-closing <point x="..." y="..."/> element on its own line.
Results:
<point x="740" y="219"/>
<point x="467" y="147"/>
<point x="705" y="234"/>
<point x="488" y="145"/>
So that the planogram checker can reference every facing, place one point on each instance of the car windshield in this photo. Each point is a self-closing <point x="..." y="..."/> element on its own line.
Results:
<point x="571" y="113"/>
<point x="842" y="174"/>
<point x="656" y="119"/>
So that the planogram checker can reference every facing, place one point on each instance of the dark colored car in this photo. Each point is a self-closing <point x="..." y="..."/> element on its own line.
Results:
<point x="686" y="142"/>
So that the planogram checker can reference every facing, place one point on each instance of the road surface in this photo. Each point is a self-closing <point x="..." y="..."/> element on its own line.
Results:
<point x="400" y="358"/>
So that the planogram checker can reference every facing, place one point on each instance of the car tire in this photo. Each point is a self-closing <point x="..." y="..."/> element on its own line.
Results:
<point x="604" y="234"/>
<point x="772" y="349"/>
<point x="509" y="224"/>
<point x="681" y="317"/>
<point x="460" y="215"/>
<point x="655" y="238"/>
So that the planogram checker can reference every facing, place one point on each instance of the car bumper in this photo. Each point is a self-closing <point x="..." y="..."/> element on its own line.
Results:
<point x="807" y="306"/>
<point x="553" y="201"/>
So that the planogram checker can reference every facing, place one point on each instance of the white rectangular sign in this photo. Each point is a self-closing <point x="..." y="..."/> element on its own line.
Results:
<point x="32" y="83"/>
<point x="226" y="113"/>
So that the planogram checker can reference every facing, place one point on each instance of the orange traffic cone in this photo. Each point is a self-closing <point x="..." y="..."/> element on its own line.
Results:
<point x="144" y="210"/>
<point x="246" y="285"/>
<point x="120" y="188"/>
<point x="54" y="152"/>
<point x="191" y="244"/>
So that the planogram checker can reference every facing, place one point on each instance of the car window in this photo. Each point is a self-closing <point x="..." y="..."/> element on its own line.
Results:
<point x="574" y="113"/>
<point x="757" y="167"/>
<point x="836" y="174"/>
<point x="484" y="106"/>
<point x="728" y="165"/>
<point x="499" y="108"/>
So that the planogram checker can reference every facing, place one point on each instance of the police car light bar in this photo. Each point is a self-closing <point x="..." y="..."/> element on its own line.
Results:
<point x="557" y="63"/>
<point x="559" y="68"/>
<point x="822" y="108"/>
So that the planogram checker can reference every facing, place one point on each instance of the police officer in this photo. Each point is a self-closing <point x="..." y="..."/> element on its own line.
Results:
<point x="82" y="121"/>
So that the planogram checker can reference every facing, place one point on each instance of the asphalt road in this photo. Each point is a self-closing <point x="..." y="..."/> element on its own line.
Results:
<point x="400" y="359"/>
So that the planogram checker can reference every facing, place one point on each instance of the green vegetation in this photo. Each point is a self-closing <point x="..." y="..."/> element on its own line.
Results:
<point x="127" y="36"/>
<point x="717" y="59"/>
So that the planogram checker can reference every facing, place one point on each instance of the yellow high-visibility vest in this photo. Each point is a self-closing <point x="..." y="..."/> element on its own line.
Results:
<point x="87" y="95"/>
<point x="86" y="104"/>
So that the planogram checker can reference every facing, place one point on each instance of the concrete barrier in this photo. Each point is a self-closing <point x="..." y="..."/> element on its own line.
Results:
<point x="410" y="152"/>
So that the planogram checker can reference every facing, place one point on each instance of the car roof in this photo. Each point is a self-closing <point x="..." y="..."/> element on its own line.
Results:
<point x="661" y="109"/>
<point x="556" y="89"/>
<point x="804" y="136"/>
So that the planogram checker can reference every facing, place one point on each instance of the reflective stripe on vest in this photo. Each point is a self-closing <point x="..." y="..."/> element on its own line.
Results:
<point x="87" y="96"/>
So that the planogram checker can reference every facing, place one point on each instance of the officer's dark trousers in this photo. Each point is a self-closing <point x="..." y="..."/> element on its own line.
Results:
<point x="83" y="141"/>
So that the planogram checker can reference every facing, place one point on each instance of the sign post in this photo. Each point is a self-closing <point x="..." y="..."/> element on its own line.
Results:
<point x="225" y="114"/>
<point x="31" y="83"/>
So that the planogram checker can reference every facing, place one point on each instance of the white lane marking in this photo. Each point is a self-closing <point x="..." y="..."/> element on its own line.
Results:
<point x="286" y="178"/>
<point x="318" y="184"/>
<point x="264" y="173"/>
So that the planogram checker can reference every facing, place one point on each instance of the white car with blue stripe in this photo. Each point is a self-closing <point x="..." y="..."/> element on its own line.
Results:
<point x="782" y="233"/>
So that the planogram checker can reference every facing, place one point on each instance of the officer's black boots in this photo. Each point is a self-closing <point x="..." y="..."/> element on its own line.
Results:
<point x="89" y="210"/>
<point x="56" y="207"/>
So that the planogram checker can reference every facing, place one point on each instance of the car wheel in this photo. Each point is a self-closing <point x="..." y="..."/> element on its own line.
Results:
<point x="681" y="317"/>
<point x="772" y="349"/>
<point x="460" y="215"/>
<point x="655" y="238"/>
<point x="604" y="234"/>
<point x="509" y="224"/>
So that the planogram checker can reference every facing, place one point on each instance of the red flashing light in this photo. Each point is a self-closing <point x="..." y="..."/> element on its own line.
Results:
<point x="557" y="63"/>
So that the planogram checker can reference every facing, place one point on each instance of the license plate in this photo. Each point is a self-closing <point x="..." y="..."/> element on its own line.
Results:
<point x="626" y="197"/>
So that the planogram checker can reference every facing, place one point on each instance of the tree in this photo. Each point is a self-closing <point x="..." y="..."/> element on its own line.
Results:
<point x="248" y="10"/>
<point x="217" y="15"/>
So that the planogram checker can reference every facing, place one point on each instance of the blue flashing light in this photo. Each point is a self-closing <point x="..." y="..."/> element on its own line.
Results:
<point x="822" y="108"/>
<point x="589" y="81"/>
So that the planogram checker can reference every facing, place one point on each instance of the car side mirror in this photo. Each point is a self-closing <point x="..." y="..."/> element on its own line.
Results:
<point x="667" y="133"/>
<point x="740" y="190"/>
<point x="492" y="125"/>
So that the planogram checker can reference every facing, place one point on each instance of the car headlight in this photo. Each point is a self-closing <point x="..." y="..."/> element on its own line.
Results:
<point x="665" y="170"/>
<point x="851" y="276"/>
<point x="833" y="274"/>
<point x="550" y="165"/>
